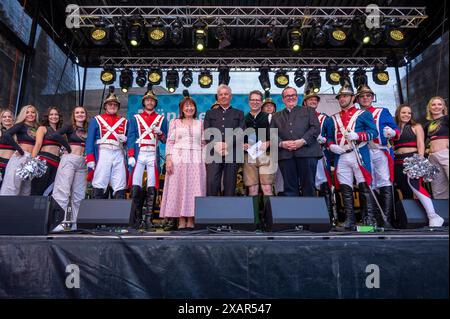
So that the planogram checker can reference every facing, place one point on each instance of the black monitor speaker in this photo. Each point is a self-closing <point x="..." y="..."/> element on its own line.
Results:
<point x="98" y="213"/>
<point x="411" y="214"/>
<point x="29" y="215"/>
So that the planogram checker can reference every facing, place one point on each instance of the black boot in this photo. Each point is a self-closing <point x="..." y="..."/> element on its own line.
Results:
<point x="347" y="198"/>
<point x="367" y="205"/>
<point x="136" y="196"/>
<point x="149" y="207"/>
<point x="120" y="194"/>
<point x="99" y="193"/>
<point x="325" y="191"/>
<point x="387" y="204"/>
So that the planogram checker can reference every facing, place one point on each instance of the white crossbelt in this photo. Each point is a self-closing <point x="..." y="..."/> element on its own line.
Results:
<point x="110" y="131"/>
<point x="350" y="126"/>
<point x="148" y="131"/>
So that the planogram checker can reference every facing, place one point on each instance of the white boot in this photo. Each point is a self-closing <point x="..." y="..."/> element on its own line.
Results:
<point x="58" y="228"/>
<point x="435" y="220"/>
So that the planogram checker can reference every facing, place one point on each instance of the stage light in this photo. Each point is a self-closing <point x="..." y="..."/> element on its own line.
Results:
<point x="314" y="80"/>
<point x="176" y="32"/>
<point x="172" y="80"/>
<point x="380" y="76"/>
<point x="394" y="35"/>
<point x="108" y="75"/>
<point x="359" y="30"/>
<point x="135" y="32"/>
<point x="359" y="78"/>
<point x="155" y="76"/>
<point x="222" y="36"/>
<point x="205" y="79"/>
<point x="224" y="75"/>
<point x="318" y="35"/>
<point x="187" y="78"/>
<point x="126" y="80"/>
<point x="200" y="35"/>
<point x="157" y="32"/>
<point x="281" y="79"/>
<point x="337" y="34"/>
<point x="264" y="78"/>
<point x="299" y="78"/>
<point x="344" y="77"/>
<point x="100" y="33"/>
<point x="141" y="78"/>
<point x="332" y="75"/>
<point x="295" y="36"/>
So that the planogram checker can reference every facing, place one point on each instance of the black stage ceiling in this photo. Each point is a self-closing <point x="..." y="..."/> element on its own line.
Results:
<point x="245" y="41"/>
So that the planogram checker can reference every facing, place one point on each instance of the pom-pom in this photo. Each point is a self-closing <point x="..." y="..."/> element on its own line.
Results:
<point x="32" y="168"/>
<point x="417" y="166"/>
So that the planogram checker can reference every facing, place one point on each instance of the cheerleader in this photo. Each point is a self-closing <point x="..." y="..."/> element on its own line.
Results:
<point x="25" y="132"/>
<point x="47" y="147"/>
<point x="70" y="180"/>
<point x="6" y="149"/>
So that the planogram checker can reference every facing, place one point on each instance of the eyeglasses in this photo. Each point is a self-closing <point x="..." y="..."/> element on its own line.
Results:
<point x="255" y="100"/>
<point x="366" y="95"/>
<point x="290" y="96"/>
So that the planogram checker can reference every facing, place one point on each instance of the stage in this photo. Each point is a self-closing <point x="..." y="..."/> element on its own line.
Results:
<point x="244" y="265"/>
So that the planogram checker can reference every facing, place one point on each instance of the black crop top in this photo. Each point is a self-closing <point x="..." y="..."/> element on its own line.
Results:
<point x="4" y="141"/>
<point x="25" y="134"/>
<point x="437" y="129"/>
<point x="50" y="138"/>
<point x="75" y="135"/>
<point x="407" y="138"/>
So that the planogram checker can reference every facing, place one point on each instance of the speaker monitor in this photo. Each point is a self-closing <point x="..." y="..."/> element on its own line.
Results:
<point x="95" y="213"/>
<point x="308" y="213"/>
<point x="411" y="214"/>
<point x="226" y="212"/>
<point x="29" y="215"/>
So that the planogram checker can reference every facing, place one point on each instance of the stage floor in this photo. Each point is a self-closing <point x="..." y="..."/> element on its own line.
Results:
<point x="200" y="264"/>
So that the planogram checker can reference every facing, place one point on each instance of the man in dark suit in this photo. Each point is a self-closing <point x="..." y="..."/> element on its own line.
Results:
<point x="298" y="149"/>
<point x="223" y="157"/>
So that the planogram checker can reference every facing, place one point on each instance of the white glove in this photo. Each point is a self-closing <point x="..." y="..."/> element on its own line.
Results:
<point x="388" y="132"/>
<point x="336" y="149"/>
<point x="352" y="136"/>
<point x="122" y="138"/>
<point x="157" y="130"/>
<point x="131" y="161"/>
<point x="321" y="139"/>
<point x="90" y="165"/>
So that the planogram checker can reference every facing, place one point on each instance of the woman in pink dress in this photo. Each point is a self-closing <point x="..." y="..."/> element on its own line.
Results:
<point x="185" y="169"/>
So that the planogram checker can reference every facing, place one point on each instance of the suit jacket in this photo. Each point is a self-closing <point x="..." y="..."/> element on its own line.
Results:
<point x="300" y="122"/>
<point x="220" y="119"/>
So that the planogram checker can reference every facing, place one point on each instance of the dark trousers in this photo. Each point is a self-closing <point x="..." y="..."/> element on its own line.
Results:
<point x="40" y="185"/>
<point x="401" y="182"/>
<point x="299" y="168"/>
<point x="214" y="173"/>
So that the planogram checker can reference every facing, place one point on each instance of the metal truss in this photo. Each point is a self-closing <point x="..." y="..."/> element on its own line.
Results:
<point x="251" y="17"/>
<point x="242" y="64"/>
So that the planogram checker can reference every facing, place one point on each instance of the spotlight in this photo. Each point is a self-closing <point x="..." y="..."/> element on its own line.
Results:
<point x="205" y="79"/>
<point x="314" y="80"/>
<point x="187" y="78"/>
<point x="299" y="78"/>
<point x="100" y="33"/>
<point x="264" y="78"/>
<point x="199" y="35"/>
<point x="108" y="75"/>
<point x="172" y="80"/>
<point x="344" y="77"/>
<point x="176" y="33"/>
<point x="126" y="80"/>
<point x="155" y="76"/>
<point x="337" y="34"/>
<point x="281" y="79"/>
<point x="223" y="37"/>
<point x="141" y="78"/>
<point x="156" y="33"/>
<point x="359" y="78"/>
<point x="295" y="36"/>
<point x="394" y="35"/>
<point x="224" y="75"/>
<point x="379" y="75"/>
<point x="359" y="30"/>
<point x="332" y="75"/>
<point x="135" y="32"/>
<point x="319" y="37"/>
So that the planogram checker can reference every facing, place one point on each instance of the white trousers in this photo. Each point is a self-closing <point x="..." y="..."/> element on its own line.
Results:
<point x="146" y="160"/>
<point x="110" y="168"/>
<point x="348" y="168"/>
<point x="380" y="169"/>
<point x="321" y="176"/>
<point x="12" y="185"/>
<point x="70" y="183"/>
<point x="439" y="185"/>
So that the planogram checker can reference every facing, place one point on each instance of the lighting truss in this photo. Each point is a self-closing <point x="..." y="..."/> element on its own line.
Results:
<point x="243" y="64"/>
<point x="251" y="17"/>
